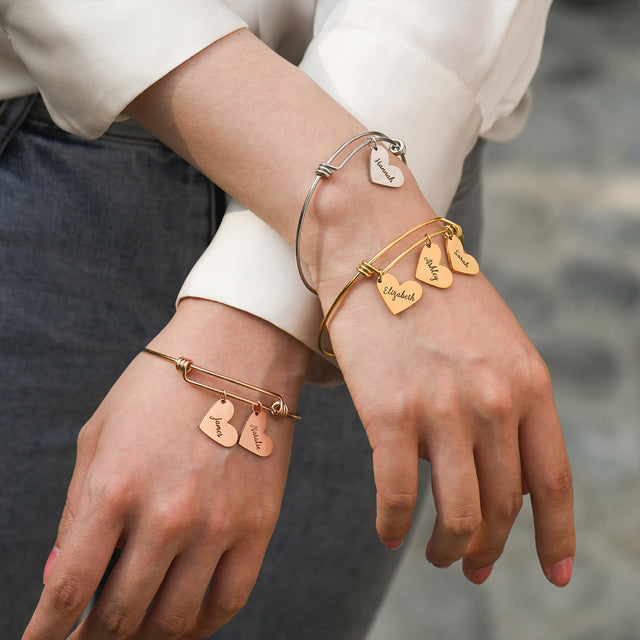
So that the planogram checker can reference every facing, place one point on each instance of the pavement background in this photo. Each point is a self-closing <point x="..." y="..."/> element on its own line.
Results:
<point x="562" y="245"/>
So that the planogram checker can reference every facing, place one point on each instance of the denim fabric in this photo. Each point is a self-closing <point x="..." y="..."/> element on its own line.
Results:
<point x="95" y="240"/>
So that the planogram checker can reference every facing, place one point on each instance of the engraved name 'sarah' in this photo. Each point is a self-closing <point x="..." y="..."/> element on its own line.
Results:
<point x="403" y="295"/>
<point x="459" y="256"/>
<point x="386" y="174"/>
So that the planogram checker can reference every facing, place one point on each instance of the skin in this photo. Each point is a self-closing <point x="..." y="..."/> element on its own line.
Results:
<point x="453" y="380"/>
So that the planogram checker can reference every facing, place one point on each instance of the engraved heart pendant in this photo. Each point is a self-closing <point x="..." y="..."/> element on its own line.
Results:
<point x="253" y="437"/>
<point x="396" y="296"/>
<point x="381" y="171"/>
<point x="430" y="270"/>
<point x="460" y="261"/>
<point x="216" y="424"/>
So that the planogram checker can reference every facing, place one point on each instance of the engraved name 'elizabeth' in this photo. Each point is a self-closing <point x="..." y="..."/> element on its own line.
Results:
<point x="403" y="295"/>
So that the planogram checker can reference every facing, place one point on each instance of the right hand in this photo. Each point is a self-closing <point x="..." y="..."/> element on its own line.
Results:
<point x="453" y="380"/>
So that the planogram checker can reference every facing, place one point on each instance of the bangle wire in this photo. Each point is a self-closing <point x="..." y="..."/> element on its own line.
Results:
<point x="278" y="409"/>
<point x="367" y="269"/>
<point x="326" y="169"/>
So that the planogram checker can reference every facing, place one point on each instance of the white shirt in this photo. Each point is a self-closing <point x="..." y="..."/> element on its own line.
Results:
<point x="436" y="73"/>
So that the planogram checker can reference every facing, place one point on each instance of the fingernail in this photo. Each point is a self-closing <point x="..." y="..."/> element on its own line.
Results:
<point x="480" y="576"/>
<point x="441" y="566"/>
<point x="51" y="560"/>
<point x="561" y="572"/>
<point x="393" y="545"/>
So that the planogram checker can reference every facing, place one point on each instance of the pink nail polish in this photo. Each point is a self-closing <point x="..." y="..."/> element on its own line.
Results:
<point x="51" y="560"/>
<point x="393" y="545"/>
<point x="441" y="566"/>
<point x="561" y="572"/>
<point x="481" y="575"/>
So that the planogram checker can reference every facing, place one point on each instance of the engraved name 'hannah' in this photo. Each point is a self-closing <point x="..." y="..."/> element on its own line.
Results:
<point x="387" y="175"/>
<point x="390" y="291"/>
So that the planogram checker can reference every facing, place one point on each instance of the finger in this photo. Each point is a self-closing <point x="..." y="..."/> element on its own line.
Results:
<point x="83" y="461"/>
<point x="181" y="595"/>
<point x="500" y="483"/>
<point x="130" y="589"/>
<point x="395" y="469"/>
<point x="457" y="499"/>
<point x="233" y="580"/>
<point x="548" y="477"/>
<point x="78" y="570"/>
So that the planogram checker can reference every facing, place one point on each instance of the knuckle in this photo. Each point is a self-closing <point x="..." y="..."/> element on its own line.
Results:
<point x="495" y="401"/>
<point x="508" y="509"/>
<point x="230" y="605"/>
<point x="67" y="596"/>
<point x="557" y="489"/>
<point x="462" y="526"/>
<point x="114" y="621"/>
<point x="261" y="522"/>
<point x="170" y="625"/>
<point x="538" y="376"/>
<point x="400" y="501"/>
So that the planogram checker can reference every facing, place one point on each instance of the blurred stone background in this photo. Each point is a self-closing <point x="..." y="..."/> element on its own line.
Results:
<point x="562" y="245"/>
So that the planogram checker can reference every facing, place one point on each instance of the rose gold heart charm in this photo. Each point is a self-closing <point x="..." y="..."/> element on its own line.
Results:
<point x="460" y="261"/>
<point x="253" y="437"/>
<point x="216" y="424"/>
<point x="381" y="171"/>
<point x="396" y="296"/>
<point x="430" y="270"/>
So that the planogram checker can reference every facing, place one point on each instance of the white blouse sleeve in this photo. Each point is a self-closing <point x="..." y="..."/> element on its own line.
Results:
<point x="75" y="50"/>
<point x="437" y="74"/>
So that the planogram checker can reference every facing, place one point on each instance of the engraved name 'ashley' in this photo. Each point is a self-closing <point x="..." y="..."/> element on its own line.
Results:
<point x="386" y="174"/>
<point x="433" y="267"/>
<point x="390" y="291"/>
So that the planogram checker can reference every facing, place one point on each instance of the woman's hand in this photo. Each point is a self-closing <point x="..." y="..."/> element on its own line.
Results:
<point x="187" y="513"/>
<point x="454" y="380"/>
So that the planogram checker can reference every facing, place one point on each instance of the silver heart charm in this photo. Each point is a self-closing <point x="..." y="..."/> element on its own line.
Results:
<point x="381" y="171"/>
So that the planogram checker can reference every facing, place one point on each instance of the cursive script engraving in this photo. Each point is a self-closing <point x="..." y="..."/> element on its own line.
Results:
<point x="459" y="256"/>
<point x="386" y="174"/>
<point x="216" y="424"/>
<point x="254" y="438"/>
<point x="390" y="291"/>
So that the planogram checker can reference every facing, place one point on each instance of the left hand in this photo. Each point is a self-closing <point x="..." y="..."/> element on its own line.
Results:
<point x="188" y="514"/>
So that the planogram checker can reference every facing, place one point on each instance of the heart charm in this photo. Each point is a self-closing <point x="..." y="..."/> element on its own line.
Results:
<point x="381" y="171"/>
<point x="460" y="261"/>
<point x="216" y="424"/>
<point x="396" y="296"/>
<point x="254" y="438"/>
<point x="430" y="270"/>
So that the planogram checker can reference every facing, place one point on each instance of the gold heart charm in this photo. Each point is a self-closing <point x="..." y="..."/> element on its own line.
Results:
<point x="381" y="171"/>
<point x="430" y="270"/>
<point x="216" y="424"/>
<point x="460" y="261"/>
<point x="254" y="438"/>
<point x="396" y="296"/>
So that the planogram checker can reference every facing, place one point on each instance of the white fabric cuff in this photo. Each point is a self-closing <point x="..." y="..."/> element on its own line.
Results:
<point x="74" y="50"/>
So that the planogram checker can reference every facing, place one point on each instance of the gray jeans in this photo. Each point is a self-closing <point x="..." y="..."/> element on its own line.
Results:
<point x="95" y="240"/>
